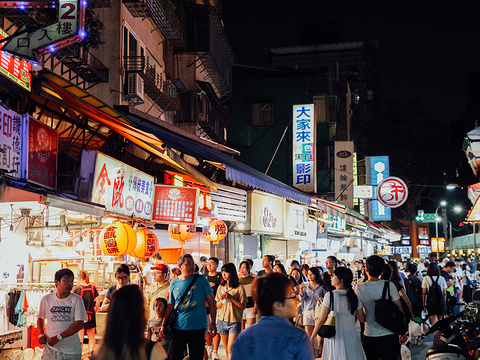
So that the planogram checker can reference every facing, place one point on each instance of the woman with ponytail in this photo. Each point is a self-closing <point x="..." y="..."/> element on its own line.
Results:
<point x="346" y="343"/>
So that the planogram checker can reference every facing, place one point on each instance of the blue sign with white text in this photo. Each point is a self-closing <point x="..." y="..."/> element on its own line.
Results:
<point x="378" y="168"/>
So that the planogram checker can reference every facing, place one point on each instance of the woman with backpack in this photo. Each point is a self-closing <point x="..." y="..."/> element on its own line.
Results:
<point x="91" y="300"/>
<point x="434" y="293"/>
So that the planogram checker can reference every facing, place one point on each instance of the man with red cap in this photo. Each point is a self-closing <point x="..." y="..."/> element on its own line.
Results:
<point x="159" y="288"/>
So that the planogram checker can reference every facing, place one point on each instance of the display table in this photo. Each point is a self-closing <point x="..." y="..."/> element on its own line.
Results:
<point x="10" y="336"/>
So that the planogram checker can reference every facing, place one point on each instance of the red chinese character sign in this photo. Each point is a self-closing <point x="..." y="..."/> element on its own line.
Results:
<point x="147" y="244"/>
<point x="118" y="239"/>
<point x="175" y="205"/>
<point x="41" y="164"/>
<point x="392" y="192"/>
<point x="181" y="232"/>
<point x="17" y="70"/>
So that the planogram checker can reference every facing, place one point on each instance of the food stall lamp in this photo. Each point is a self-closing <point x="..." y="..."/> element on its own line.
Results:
<point x="181" y="232"/>
<point x="118" y="239"/>
<point x="147" y="244"/>
<point x="215" y="231"/>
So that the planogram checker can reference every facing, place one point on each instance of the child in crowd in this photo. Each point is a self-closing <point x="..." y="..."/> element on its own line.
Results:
<point x="155" y="323"/>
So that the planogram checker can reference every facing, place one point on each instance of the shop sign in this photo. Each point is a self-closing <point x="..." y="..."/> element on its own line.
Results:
<point x="265" y="213"/>
<point x="387" y="250"/>
<point x="404" y="233"/>
<point x="298" y="226"/>
<point x="205" y="203"/>
<point x="402" y="250"/>
<point x="344" y="172"/>
<point x="10" y="141"/>
<point x="17" y="70"/>
<point x="405" y="242"/>
<point x="94" y="253"/>
<point x="40" y="165"/>
<point x="377" y="168"/>
<point x="424" y="242"/>
<point x="175" y="205"/>
<point x="392" y="192"/>
<point x="122" y="188"/>
<point x="363" y="192"/>
<point x="423" y="234"/>
<point x="67" y="30"/>
<point x="423" y="251"/>
<point x="338" y="223"/>
<point x="304" y="137"/>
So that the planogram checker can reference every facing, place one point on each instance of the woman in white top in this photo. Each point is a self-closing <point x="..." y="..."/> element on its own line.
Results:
<point x="433" y="275"/>
<point x="346" y="343"/>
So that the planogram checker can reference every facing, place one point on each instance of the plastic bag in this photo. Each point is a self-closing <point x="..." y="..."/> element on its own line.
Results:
<point x="414" y="329"/>
<point x="405" y="353"/>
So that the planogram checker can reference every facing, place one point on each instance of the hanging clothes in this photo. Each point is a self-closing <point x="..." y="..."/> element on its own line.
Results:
<point x="19" y="309"/>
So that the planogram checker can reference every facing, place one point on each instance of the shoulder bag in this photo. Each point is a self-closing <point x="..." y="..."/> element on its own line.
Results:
<point x="168" y="324"/>
<point x="327" y="330"/>
<point x="387" y="313"/>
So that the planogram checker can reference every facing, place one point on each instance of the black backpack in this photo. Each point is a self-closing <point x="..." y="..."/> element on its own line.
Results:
<point x="435" y="298"/>
<point x="414" y="296"/>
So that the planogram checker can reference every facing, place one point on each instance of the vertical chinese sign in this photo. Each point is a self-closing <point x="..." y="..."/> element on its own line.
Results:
<point x="42" y="152"/>
<point x="304" y="136"/>
<point x="377" y="168"/>
<point x="344" y="173"/>
<point x="10" y="141"/>
<point x="122" y="188"/>
<point x="175" y="205"/>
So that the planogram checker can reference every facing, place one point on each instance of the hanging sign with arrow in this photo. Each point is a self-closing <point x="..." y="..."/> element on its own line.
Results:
<point x="67" y="30"/>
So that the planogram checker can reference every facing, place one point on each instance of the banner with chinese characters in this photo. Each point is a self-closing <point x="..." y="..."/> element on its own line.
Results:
<point x="344" y="173"/>
<point x="303" y="140"/>
<point x="205" y="205"/>
<point x="17" y="70"/>
<point x="39" y="164"/>
<point x="377" y="169"/>
<point x="10" y="141"/>
<point x="122" y="188"/>
<point x="175" y="205"/>
<point x="94" y="252"/>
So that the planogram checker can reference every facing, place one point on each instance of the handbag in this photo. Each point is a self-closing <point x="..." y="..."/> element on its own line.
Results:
<point x="388" y="314"/>
<point x="170" y="321"/>
<point x="327" y="330"/>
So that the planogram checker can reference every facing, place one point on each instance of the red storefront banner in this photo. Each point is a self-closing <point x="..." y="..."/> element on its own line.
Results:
<point x="175" y="205"/>
<point x="42" y="154"/>
<point x="16" y="69"/>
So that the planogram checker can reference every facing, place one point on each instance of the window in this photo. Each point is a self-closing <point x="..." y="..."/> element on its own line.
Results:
<point x="262" y="113"/>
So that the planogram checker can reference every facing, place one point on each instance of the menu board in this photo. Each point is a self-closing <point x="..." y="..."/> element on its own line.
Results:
<point x="176" y="205"/>
<point x="14" y="68"/>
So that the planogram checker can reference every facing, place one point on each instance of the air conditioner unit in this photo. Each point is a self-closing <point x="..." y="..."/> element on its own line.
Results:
<point x="135" y="86"/>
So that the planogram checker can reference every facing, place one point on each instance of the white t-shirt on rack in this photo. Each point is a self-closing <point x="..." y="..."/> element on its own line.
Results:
<point x="60" y="315"/>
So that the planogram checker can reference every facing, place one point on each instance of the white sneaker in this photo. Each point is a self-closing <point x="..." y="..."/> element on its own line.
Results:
<point x="209" y="350"/>
<point x="215" y="355"/>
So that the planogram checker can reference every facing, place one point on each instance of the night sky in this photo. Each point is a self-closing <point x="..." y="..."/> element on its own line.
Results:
<point x="426" y="50"/>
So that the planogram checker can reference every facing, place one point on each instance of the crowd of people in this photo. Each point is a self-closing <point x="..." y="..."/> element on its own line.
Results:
<point x="276" y="311"/>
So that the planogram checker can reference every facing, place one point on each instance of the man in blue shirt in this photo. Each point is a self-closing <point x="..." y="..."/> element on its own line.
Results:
<point x="273" y="335"/>
<point x="191" y="321"/>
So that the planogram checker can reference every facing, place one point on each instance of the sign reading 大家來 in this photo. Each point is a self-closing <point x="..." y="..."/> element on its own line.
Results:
<point x="304" y="136"/>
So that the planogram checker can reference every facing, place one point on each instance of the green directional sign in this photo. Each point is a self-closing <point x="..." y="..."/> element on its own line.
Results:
<point x="427" y="218"/>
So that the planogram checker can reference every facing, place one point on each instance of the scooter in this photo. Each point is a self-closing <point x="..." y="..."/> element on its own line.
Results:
<point x="451" y="341"/>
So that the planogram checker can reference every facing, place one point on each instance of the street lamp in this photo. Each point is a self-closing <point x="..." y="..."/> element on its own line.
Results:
<point x="442" y="203"/>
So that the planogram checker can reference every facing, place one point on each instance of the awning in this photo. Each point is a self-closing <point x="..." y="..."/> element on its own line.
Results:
<point x="73" y="96"/>
<point x="235" y="169"/>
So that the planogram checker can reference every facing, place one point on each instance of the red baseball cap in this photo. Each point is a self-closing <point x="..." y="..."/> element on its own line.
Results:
<point x="161" y="267"/>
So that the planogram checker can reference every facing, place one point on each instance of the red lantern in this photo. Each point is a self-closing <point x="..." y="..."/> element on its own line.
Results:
<point x="147" y="244"/>
<point x="181" y="232"/>
<point x="118" y="239"/>
<point x="215" y="231"/>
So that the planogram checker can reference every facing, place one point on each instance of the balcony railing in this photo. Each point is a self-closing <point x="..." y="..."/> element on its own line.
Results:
<point x="161" y="91"/>
<point x="207" y="38"/>
<point x="166" y="14"/>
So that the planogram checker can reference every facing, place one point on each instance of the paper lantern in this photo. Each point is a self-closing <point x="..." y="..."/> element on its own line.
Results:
<point x="215" y="231"/>
<point x="147" y="244"/>
<point x="118" y="239"/>
<point x="181" y="232"/>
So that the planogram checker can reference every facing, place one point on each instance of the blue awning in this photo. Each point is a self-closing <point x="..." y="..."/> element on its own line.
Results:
<point x="235" y="169"/>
